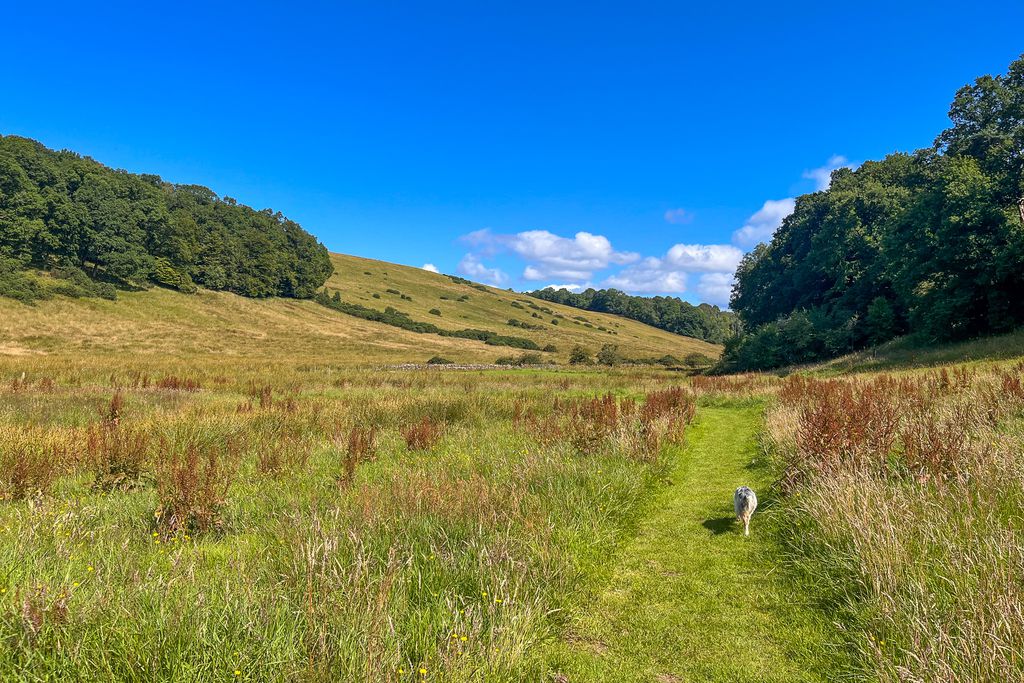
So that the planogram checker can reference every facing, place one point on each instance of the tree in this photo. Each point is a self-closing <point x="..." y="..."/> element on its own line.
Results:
<point x="579" y="356"/>
<point x="609" y="355"/>
<point x="988" y="125"/>
<point x="60" y="210"/>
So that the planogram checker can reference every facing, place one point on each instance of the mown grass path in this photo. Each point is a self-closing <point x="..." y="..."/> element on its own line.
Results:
<point x="689" y="598"/>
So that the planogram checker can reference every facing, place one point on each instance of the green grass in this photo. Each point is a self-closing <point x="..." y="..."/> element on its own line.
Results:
<point x="690" y="598"/>
<point x="906" y="354"/>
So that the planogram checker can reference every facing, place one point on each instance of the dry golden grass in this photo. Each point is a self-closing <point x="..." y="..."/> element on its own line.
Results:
<point x="216" y="325"/>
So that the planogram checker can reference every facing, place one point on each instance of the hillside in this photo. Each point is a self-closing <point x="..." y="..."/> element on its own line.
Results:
<point x="210" y="324"/>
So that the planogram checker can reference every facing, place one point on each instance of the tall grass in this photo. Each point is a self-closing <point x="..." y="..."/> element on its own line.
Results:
<point x="907" y="496"/>
<point x="187" y="522"/>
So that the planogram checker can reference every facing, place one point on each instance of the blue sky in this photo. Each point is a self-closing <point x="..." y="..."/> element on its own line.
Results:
<point x="639" y="145"/>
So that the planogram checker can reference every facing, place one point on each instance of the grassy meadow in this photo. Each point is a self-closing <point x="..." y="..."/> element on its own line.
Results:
<point x="319" y="524"/>
<point x="204" y="488"/>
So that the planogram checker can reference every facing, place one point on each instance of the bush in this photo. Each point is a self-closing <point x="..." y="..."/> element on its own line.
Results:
<point x="16" y="284"/>
<point x="550" y="348"/>
<point x="609" y="355"/>
<point x="435" y="311"/>
<point x="440" y="360"/>
<point x="579" y="356"/>
<point x="698" y="360"/>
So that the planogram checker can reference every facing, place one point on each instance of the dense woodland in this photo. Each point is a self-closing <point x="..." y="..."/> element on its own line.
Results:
<point x="668" y="313"/>
<point x="929" y="244"/>
<point x="75" y="217"/>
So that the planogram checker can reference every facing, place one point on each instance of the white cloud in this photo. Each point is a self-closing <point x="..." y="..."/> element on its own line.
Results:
<point x="650" y="276"/>
<point x="571" y="287"/>
<point x="471" y="267"/>
<point x="763" y="224"/>
<point x="430" y="267"/>
<point x="822" y="176"/>
<point x="677" y="216"/>
<point x="551" y="256"/>
<point x="705" y="258"/>
<point x="715" y="288"/>
<point x="669" y="274"/>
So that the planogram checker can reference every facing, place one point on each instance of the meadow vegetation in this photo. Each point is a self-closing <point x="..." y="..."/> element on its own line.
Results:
<point x="311" y="523"/>
<point x="168" y="518"/>
<point x="905" y="500"/>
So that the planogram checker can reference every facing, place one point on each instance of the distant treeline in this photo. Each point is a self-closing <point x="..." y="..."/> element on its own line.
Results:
<point x="929" y="244"/>
<point x="668" y="313"/>
<point x="66" y="213"/>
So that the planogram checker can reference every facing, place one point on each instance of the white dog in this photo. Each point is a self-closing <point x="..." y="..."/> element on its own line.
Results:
<point x="744" y="501"/>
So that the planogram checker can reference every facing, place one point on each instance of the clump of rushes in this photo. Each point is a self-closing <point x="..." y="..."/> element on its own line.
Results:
<point x="361" y="446"/>
<point x="423" y="435"/>
<point x="192" y="486"/>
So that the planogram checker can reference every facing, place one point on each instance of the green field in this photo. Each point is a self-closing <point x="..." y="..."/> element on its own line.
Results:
<point x="208" y="487"/>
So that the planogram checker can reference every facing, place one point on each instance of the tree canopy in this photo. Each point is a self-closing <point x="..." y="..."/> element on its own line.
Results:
<point x="929" y="243"/>
<point x="59" y="210"/>
<point x="668" y="313"/>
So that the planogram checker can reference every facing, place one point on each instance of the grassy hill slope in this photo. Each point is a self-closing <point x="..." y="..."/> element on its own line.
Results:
<point x="162" y="322"/>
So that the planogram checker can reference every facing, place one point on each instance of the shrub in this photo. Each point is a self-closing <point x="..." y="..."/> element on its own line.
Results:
<point x="435" y="311"/>
<point x="579" y="356"/>
<point x="165" y="274"/>
<point x="440" y="360"/>
<point x="609" y="355"/>
<point x="698" y="360"/>
<point x="376" y="295"/>
<point x="521" y="359"/>
<point x="550" y="348"/>
<point x="16" y="284"/>
<point x="392" y="291"/>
